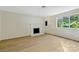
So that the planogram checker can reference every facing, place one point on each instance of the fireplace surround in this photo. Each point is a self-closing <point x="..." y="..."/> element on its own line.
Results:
<point x="36" y="29"/>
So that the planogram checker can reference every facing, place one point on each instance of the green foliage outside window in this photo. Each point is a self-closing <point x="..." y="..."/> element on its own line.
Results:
<point x="69" y="22"/>
<point x="74" y="21"/>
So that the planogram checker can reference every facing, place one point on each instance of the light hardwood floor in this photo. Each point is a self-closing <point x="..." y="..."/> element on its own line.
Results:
<point x="42" y="43"/>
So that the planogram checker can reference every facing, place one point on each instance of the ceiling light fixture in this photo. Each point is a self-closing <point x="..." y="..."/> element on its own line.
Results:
<point x="43" y="6"/>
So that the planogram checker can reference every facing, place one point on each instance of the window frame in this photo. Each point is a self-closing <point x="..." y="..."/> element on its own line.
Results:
<point x="58" y="18"/>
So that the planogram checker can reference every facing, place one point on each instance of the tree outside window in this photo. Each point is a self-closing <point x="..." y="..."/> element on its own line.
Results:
<point x="69" y="21"/>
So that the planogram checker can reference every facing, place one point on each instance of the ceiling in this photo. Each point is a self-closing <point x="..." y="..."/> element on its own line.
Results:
<point x="38" y="10"/>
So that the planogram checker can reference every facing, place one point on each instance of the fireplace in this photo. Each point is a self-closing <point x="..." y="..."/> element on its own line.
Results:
<point x="36" y="30"/>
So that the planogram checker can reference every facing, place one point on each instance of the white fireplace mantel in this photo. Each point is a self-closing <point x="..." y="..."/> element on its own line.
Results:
<point x="41" y="31"/>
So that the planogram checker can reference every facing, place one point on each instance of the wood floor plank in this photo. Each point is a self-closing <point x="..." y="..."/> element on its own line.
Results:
<point x="42" y="43"/>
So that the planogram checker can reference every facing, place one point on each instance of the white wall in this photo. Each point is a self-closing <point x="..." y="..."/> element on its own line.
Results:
<point x="17" y="25"/>
<point x="0" y="27"/>
<point x="68" y="33"/>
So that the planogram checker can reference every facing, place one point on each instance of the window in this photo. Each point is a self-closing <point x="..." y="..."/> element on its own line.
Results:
<point x="74" y="21"/>
<point x="68" y="21"/>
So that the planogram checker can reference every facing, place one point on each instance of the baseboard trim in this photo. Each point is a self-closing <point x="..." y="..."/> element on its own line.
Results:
<point x="19" y="37"/>
<point x="14" y="38"/>
<point x="63" y="37"/>
<point x="39" y="35"/>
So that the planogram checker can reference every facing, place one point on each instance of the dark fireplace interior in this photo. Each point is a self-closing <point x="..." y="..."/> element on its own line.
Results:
<point x="36" y="30"/>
